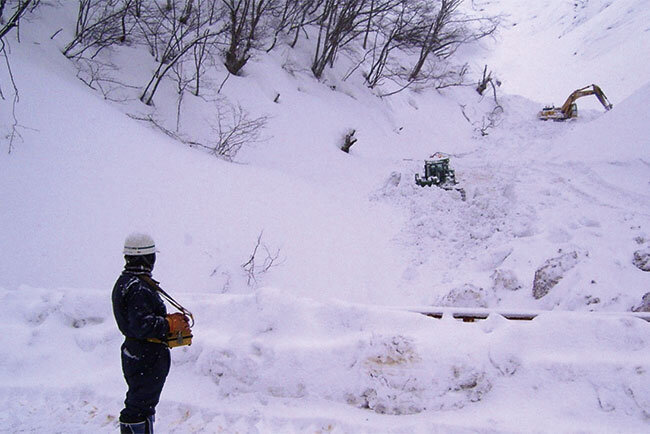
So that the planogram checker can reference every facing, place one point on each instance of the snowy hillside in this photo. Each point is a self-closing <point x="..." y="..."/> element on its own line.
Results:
<point x="549" y="48"/>
<point x="554" y="215"/>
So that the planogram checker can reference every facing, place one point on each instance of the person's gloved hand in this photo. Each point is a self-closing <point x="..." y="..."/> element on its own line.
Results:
<point x="178" y="323"/>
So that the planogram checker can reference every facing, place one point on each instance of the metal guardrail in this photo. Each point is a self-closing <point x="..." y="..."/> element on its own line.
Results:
<point x="477" y="314"/>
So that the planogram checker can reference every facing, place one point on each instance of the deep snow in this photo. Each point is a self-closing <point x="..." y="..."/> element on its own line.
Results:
<point x="317" y="343"/>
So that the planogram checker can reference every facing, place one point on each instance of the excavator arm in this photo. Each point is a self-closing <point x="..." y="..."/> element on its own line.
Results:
<point x="585" y="91"/>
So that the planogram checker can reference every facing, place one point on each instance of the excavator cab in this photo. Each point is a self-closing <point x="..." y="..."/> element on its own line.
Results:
<point x="570" y="109"/>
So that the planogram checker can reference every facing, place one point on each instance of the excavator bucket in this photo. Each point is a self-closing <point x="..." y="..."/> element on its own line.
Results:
<point x="602" y="98"/>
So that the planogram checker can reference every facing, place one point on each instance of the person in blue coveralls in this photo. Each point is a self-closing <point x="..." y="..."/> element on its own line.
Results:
<point x="142" y="318"/>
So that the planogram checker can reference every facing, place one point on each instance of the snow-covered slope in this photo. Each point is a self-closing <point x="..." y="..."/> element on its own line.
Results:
<point x="549" y="48"/>
<point x="317" y="344"/>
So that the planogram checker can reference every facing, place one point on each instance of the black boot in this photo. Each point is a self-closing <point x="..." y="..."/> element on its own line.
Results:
<point x="144" y="427"/>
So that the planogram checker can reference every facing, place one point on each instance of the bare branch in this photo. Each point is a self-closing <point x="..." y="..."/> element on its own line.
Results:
<point x="13" y="21"/>
<point x="14" y="127"/>
<point x="97" y="76"/>
<point x="252" y="268"/>
<point x="20" y="9"/>
<point x="487" y="122"/>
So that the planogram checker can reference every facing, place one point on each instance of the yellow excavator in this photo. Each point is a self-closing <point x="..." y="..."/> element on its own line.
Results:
<point x="570" y="109"/>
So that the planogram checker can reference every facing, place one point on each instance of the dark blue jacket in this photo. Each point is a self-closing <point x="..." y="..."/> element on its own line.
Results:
<point x="138" y="309"/>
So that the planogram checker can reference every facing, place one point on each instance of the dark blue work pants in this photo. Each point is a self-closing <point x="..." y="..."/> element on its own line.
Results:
<point x="145" y="366"/>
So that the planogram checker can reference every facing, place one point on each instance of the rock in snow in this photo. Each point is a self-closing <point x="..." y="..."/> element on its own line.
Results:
<point x="550" y="274"/>
<point x="645" y="304"/>
<point x="642" y="259"/>
<point x="466" y="296"/>
<point x="505" y="279"/>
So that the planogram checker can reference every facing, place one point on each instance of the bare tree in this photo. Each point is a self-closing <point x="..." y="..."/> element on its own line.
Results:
<point x="150" y="21"/>
<point x="182" y="82"/>
<point x="181" y="37"/>
<point x="283" y="16"/>
<point x="100" y="24"/>
<point x="292" y="17"/>
<point x="20" y="8"/>
<point x="246" y="25"/>
<point x="340" y="23"/>
<point x="393" y="31"/>
<point x="203" y="49"/>
<point x="172" y="30"/>
<point x="432" y="31"/>
<point x="445" y="29"/>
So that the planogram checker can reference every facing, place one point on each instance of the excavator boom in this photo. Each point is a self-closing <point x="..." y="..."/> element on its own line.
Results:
<point x="570" y="109"/>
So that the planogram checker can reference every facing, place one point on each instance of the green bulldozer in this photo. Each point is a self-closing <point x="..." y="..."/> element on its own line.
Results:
<point x="437" y="172"/>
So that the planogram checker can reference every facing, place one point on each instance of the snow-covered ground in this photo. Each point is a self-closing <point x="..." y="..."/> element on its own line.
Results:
<point x="549" y="48"/>
<point x="272" y="362"/>
<point x="319" y="343"/>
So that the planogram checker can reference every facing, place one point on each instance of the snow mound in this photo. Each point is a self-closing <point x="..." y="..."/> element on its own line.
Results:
<point x="272" y="347"/>
<point x="620" y="135"/>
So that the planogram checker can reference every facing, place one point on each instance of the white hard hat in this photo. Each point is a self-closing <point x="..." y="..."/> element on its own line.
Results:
<point x="138" y="244"/>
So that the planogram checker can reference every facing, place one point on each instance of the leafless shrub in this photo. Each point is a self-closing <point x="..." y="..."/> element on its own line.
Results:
<point x="224" y="277"/>
<point x="234" y="129"/>
<point x="491" y="120"/>
<point x="203" y="51"/>
<point x="488" y="121"/>
<point x="98" y="75"/>
<point x="442" y="74"/>
<point x="256" y="266"/>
